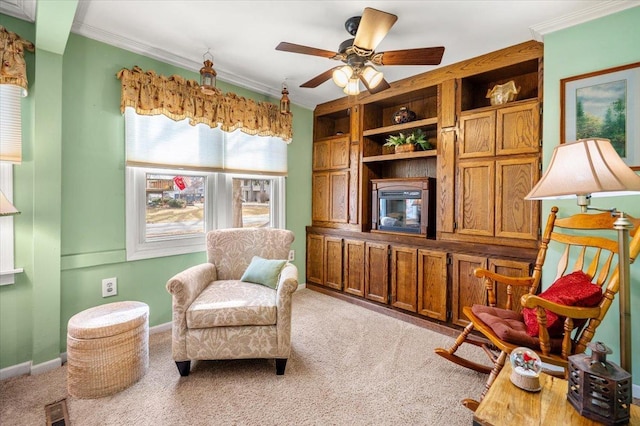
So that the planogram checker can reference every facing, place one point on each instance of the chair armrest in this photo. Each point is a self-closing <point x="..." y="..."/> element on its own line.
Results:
<point x="574" y="312"/>
<point x="288" y="283"/>
<point x="185" y="286"/>
<point x="286" y="287"/>
<point x="490" y="278"/>
<point x="517" y="281"/>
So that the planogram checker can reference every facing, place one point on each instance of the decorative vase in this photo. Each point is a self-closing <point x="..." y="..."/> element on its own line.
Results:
<point x="407" y="147"/>
<point x="403" y="115"/>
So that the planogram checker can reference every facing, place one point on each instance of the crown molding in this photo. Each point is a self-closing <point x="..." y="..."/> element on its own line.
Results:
<point x="21" y="9"/>
<point x="538" y="31"/>
<point x="170" y="58"/>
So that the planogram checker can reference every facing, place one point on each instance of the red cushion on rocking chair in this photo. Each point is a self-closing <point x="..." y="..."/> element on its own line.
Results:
<point x="574" y="289"/>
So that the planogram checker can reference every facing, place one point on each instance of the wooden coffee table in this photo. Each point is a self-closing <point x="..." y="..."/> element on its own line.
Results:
<point x="507" y="404"/>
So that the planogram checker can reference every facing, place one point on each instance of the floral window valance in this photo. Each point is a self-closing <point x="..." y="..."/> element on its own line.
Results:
<point x="13" y="69"/>
<point x="179" y="98"/>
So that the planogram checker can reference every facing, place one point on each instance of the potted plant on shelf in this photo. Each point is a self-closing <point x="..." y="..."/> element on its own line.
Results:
<point x="408" y="143"/>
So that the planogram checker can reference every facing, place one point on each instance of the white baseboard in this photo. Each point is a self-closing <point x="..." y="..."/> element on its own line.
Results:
<point x="15" y="370"/>
<point x="635" y="391"/>
<point x="43" y="367"/>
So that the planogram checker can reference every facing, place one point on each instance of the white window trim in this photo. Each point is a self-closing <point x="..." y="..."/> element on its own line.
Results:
<point x="137" y="247"/>
<point x="7" y="270"/>
<point x="217" y="187"/>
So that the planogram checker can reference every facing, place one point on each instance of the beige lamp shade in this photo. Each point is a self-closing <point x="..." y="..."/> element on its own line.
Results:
<point x="585" y="168"/>
<point x="6" y="208"/>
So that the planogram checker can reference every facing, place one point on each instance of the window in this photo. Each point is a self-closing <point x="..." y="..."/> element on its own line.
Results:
<point x="184" y="180"/>
<point x="10" y="153"/>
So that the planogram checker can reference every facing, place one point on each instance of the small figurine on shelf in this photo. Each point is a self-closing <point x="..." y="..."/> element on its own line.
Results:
<point x="503" y="93"/>
<point x="403" y="115"/>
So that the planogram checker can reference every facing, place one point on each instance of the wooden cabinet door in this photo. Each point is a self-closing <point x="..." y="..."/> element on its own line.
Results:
<point x="510" y="268"/>
<point x="333" y="262"/>
<point x="476" y="195"/>
<point x="339" y="153"/>
<point x="404" y="271"/>
<point x="354" y="267"/>
<point x="315" y="259"/>
<point x="477" y="135"/>
<point x="518" y="129"/>
<point x="467" y="289"/>
<point x="376" y="282"/>
<point x="320" y="196"/>
<point x="321" y="155"/>
<point x="432" y="284"/>
<point x="339" y="197"/>
<point x="331" y="153"/>
<point x="515" y="216"/>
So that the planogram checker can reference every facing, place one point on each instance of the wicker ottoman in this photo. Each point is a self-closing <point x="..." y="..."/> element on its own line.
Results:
<point x="107" y="348"/>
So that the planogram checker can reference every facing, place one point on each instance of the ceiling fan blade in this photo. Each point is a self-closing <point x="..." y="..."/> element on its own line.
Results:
<point x="297" y="48"/>
<point x="383" y="85"/>
<point x="423" y="56"/>
<point x="374" y="25"/>
<point x="319" y="79"/>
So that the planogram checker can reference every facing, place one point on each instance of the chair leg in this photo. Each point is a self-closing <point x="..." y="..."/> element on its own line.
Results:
<point x="281" y="363"/>
<point x="472" y="404"/>
<point x="451" y="356"/>
<point x="183" y="367"/>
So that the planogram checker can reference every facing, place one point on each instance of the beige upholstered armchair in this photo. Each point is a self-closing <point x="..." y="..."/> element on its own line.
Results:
<point x="218" y="316"/>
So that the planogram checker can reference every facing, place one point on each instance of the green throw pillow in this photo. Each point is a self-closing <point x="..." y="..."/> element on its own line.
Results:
<point x="264" y="271"/>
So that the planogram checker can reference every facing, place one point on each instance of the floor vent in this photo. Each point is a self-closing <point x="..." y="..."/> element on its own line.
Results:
<point x="57" y="414"/>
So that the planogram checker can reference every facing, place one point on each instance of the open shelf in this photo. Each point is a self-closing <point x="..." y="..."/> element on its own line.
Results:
<point x="400" y="156"/>
<point x="395" y="128"/>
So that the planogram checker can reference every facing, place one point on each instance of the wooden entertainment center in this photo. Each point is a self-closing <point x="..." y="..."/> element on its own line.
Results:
<point x="486" y="160"/>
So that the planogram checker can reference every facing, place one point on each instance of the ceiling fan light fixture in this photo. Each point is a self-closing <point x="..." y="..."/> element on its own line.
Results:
<point x="352" y="88"/>
<point x="208" y="75"/>
<point x="342" y="75"/>
<point x="372" y="76"/>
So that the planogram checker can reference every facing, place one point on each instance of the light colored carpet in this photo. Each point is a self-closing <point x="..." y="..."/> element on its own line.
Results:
<point x="349" y="366"/>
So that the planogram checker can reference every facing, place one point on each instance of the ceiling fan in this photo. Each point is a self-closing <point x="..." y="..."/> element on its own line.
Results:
<point x="358" y="54"/>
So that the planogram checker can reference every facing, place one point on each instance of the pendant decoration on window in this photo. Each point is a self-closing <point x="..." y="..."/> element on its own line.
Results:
<point x="179" y="181"/>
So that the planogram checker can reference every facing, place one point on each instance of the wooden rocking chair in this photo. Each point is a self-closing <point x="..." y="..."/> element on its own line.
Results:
<point x="506" y="329"/>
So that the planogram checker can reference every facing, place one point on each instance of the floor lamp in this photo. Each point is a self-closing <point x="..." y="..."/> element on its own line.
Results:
<point x="592" y="168"/>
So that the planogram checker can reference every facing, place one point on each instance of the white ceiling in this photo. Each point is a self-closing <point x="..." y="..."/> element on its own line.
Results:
<point x="242" y="35"/>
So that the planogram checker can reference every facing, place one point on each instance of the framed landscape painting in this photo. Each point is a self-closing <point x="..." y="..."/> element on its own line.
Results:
<point x="604" y="104"/>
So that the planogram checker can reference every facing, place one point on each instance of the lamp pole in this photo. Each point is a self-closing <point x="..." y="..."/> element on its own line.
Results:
<point x="622" y="225"/>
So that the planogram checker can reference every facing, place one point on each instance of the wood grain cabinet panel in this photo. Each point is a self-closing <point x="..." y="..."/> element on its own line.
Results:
<point x="353" y="260"/>
<point x="333" y="262"/>
<point x="376" y="283"/>
<point x="320" y="200"/>
<point x="467" y="289"/>
<point x="331" y="153"/>
<point x="517" y="129"/>
<point x="478" y="135"/>
<point x="432" y="284"/>
<point x="476" y="209"/>
<point x="339" y="197"/>
<point x="515" y="216"/>
<point x="315" y="259"/>
<point x="404" y="271"/>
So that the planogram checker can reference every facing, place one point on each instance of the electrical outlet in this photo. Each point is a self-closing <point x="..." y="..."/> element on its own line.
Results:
<point x="292" y="255"/>
<point x="109" y="287"/>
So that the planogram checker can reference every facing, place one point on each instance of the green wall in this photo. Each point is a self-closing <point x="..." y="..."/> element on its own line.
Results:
<point x="604" y="43"/>
<point x="82" y="239"/>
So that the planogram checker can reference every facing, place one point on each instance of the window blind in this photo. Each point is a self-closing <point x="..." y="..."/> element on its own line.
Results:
<point x="10" y="123"/>
<point x="160" y="142"/>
